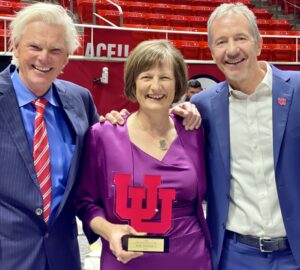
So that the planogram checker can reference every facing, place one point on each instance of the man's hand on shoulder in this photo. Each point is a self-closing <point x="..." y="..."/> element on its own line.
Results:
<point x="189" y="113"/>
<point x="114" y="117"/>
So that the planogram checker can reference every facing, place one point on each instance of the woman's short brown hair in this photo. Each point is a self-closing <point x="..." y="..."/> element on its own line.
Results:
<point x="148" y="54"/>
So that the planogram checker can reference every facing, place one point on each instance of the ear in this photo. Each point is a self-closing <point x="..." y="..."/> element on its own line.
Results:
<point x="259" y="45"/>
<point x="15" y="51"/>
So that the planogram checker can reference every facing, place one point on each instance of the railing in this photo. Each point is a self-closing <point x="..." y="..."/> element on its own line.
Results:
<point x="284" y="6"/>
<point x="91" y="40"/>
<point x="294" y="5"/>
<point x="4" y="23"/>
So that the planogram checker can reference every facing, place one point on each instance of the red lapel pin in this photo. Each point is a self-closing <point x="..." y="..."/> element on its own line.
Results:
<point x="282" y="101"/>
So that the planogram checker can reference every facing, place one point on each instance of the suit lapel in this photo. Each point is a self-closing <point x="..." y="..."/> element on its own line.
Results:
<point x="281" y="101"/>
<point x="68" y="107"/>
<point x="282" y="98"/>
<point x="12" y="119"/>
<point x="72" y="117"/>
<point x="220" y="116"/>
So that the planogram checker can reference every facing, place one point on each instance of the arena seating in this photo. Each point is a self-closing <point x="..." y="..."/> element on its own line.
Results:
<point x="190" y="16"/>
<point x="195" y="9"/>
<point x="5" y="7"/>
<point x="175" y="15"/>
<point x="291" y="6"/>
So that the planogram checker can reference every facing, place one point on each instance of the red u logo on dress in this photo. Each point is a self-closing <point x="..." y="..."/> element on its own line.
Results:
<point x="143" y="203"/>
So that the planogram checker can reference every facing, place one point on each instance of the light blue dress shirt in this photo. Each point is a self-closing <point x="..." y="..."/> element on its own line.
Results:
<point x="59" y="135"/>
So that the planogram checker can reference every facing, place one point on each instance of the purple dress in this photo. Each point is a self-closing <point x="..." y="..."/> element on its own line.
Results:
<point x="109" y="151"/>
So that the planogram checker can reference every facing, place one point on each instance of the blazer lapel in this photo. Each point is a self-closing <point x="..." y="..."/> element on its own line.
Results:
<point x="71" y="113"/>
<point x="282" y="94"/>
<point x="69" y="108"/>
<point x="220" y="107"/>
<point x="12" y="119"/>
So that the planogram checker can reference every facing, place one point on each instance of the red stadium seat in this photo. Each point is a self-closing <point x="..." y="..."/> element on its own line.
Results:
<point x="283" y="53"/>
<point x="6" y="7"/>
<point x="159" y="35"/>
<point x="182" y="9"/>
<point x="140" y="35"/>
<point x="110" y="15"/>
<point x="135" y="6"/>
<point x="281" y="39"/>
<point x="264" y="24"/>
<point x="134" y="17"/>
<point x="197" y="21"/>
<point x="85" y="8"/>
<point x="170" y="1"/>
<point x="160" y="8"/>
<point x="203" y="10"/>
<point x="275" y="2"/>
<point x="189" y="48"/>
<point x="17" y="6"/>
<point x="282" y="25"/>
<point x="266" y="52"/>
<point x="85" y="11"/>
<point x="295" y="48"/>
<point x="105" y="5"/>
<point x="291" y="6"/>
<point x="134" y="25"/>
<point x="216" y="3"/>
<point x="177" y="20"/>
<point x="188" y="36"/>
<point x="262" y="13"/>
<point x="204" y="51"/>
<point x="155" y="19"/>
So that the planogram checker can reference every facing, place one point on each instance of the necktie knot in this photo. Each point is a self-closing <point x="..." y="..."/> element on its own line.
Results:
<point x="40" y="105"/>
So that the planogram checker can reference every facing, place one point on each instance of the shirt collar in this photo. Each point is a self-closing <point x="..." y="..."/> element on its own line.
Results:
<point x="264" y="87"/>
<point x="25" y="96"/>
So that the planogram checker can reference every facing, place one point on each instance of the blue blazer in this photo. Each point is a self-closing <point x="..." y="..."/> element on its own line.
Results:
<point x="26" y="242"/>
<point x="213" y="105"/>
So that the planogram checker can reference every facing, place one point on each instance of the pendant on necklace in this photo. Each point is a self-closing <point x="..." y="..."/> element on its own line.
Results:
<point x="163" y="145"/>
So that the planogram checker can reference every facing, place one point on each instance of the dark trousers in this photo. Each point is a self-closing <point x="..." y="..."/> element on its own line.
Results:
<point x="238" y="256"/>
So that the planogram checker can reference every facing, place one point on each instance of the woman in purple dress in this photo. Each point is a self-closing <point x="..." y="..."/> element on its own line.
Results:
<point x="152" y="146"/>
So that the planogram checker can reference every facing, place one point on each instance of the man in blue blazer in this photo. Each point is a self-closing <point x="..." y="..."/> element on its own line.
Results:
<point x="43" y="35"/>
<point x="252" y="129"/>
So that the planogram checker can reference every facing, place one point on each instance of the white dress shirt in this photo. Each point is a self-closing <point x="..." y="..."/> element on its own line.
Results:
<point x="254" y="207"/>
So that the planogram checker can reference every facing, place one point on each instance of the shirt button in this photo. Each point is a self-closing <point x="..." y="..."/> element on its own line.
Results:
<point x="39" y="211"/>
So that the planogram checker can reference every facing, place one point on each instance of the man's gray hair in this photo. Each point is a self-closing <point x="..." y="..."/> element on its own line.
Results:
<point x="229" y="9"/>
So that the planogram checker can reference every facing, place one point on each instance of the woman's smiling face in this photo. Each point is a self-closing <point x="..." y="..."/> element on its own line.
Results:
<point x="155" y="88"/>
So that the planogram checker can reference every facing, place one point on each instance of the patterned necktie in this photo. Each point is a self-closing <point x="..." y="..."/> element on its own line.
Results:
<point x="41" y="156"/>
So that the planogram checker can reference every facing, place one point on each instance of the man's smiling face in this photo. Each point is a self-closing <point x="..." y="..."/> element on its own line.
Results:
<point x="234" y="48"/>
<point x="42" y="54"/>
